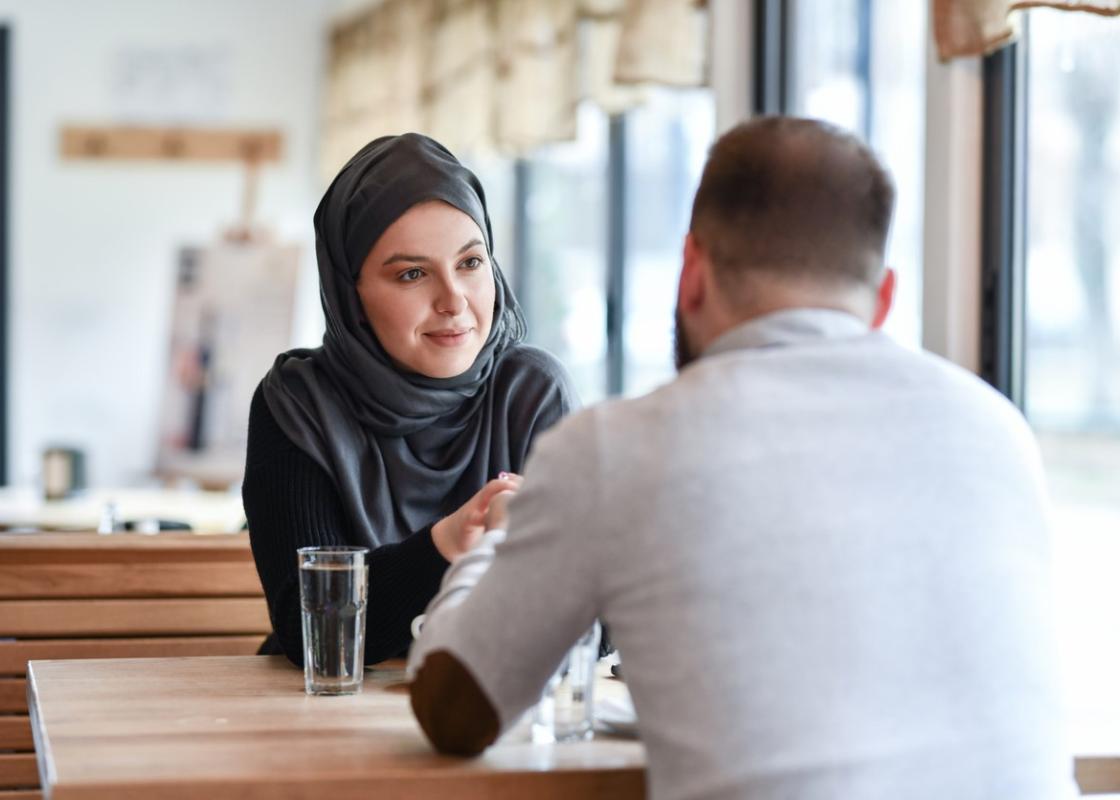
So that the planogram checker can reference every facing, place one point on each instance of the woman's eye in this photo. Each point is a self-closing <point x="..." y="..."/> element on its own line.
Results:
<point x="410" y="275"/>
<point x="474" y="262"/>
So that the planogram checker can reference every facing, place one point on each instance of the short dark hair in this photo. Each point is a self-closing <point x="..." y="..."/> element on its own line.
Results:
<point x="793" y="197"/>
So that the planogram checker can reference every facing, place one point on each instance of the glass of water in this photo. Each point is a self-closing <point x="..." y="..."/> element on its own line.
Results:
<point x="566" y="711"/>
<point x="332" y="592"/>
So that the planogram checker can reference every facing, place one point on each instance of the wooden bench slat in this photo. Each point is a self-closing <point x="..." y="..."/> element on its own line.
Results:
<point x="132" y="548"/>
<point x="115" y="580"/>
<point x="20" y="794"/>
<point x="14" y="655"/>
<point x="140" y="617"/>
<point x="15" y="733"/>
<point x="18" y="770"/>
<point x="13" y="695"/>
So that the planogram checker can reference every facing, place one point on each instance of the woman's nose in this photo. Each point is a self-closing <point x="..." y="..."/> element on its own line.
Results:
<point x="452" y="300"/>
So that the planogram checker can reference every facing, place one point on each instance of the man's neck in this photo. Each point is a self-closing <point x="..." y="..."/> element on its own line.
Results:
<point x="725" y="319"/>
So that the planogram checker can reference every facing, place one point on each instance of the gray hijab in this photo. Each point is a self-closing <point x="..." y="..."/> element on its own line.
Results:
<point x="402" y="449"/>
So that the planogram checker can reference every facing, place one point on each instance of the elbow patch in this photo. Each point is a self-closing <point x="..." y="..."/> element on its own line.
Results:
<point x="451" y="707"/>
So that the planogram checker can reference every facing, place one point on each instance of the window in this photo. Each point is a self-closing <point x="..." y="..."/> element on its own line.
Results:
<point x="666" y="144"/>
<point x="861" y="65"/>
<point x="567" y="238"/>
<point x="565" y="274"/>
<point x="4" y="122"/>
<point x="1071" y="342"/>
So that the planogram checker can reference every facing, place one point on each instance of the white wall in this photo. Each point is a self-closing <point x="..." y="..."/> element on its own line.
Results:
<point x="92" y="245"/>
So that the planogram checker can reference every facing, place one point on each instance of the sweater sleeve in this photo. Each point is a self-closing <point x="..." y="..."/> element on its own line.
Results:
<point x="290" y="502"/>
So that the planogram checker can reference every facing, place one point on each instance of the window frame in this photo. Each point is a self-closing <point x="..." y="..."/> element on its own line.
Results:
<point x="1003" y="215"/>
<point x="616" y="255"/>
<point x="5" y="122"/>
<point x="772" y="55"/>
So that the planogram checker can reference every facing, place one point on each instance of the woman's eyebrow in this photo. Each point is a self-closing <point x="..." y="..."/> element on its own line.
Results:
<point x="396" y="257"/>
<point x="412" y="259"/>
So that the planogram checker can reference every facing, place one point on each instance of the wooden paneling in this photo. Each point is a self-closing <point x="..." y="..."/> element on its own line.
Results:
<point x="15" y="733"/>
<point x="21" y="794"/>
<point x="53" y="618"/>
<point x="13" y="695"/>
<point x="18" y="770"/>
<point x="56" y="580"/>
<point x="14" y="655"/>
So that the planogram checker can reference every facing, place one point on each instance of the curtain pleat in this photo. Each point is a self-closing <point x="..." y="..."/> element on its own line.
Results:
<point x="976" y="27"/>
<point x="501" y="75"/>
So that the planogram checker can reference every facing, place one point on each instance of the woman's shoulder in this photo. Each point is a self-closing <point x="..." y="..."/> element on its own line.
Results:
<point x="527" y="364"/>
<point x="265" y="434"/>
<point x="536" y="392"/>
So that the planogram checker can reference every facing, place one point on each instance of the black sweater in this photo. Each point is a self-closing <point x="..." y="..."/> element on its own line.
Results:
<point x="291" y="503"/>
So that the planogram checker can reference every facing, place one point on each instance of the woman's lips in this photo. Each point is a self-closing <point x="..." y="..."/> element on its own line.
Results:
<point x="449" y="338"/>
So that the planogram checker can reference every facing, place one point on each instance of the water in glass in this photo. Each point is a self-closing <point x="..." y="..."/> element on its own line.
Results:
<point x="333" y="597"/>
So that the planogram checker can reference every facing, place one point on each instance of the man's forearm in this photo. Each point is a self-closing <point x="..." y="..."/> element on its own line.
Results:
<point x="452" y="709"/>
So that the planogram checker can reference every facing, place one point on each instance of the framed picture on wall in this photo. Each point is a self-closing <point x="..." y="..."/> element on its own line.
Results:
<point x="231" y="315"/>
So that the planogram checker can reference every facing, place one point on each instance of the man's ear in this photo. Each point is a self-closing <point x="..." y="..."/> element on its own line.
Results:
<point x="690" y="293"/>
<point x="884" y="299"/>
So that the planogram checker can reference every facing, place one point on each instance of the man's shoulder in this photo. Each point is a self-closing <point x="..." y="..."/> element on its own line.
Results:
<point x="957" y="383"/>
<point x="605" y="425"/>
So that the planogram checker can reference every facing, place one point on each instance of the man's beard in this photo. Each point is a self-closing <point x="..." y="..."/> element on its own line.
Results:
<point x="682" y="348"/>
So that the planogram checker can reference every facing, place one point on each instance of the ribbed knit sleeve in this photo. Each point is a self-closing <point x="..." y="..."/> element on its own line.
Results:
<point x="290" y="503"/>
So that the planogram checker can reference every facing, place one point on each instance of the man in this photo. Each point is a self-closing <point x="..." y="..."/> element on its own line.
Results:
<point x="823" y="557"/>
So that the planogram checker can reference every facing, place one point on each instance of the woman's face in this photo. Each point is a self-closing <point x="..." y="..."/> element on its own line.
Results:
<point x="427" y="288"/>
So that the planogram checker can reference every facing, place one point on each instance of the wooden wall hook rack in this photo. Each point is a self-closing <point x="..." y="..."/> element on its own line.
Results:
<point x="170" y="144"/>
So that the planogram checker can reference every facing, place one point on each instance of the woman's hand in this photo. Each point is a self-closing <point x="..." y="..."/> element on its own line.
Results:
<point x="497" y="515"/>
<point x="456" y="534"/>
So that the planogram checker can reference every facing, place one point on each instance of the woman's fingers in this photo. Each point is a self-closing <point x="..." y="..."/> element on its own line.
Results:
<point x="497" y="515"/>
<point x="457" y="533"/>
<point x="508" y="484"/>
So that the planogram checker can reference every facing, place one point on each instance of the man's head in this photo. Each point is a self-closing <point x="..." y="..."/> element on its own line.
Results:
<point x="790" y="213"/>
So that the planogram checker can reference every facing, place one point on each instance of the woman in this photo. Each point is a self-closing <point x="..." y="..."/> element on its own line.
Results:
<point x="420" y="405"/>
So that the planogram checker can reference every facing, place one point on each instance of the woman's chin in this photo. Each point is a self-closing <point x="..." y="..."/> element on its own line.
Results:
<point x="446" y="365"/>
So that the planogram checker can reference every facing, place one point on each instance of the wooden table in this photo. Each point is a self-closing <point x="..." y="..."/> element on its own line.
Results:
<point x="241" y="727"/>
<point x="81" y="595"/>
<point x="1097" y="744"/>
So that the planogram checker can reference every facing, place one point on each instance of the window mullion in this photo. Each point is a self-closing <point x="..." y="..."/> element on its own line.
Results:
<point x="1002" y="227"/>
<point x="616" y="253"/>
<point x="771" y="57"/>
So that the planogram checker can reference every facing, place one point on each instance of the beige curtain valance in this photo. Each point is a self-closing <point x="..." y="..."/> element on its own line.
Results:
<point x="974" y="27"/>
<point x="503" y="75"/>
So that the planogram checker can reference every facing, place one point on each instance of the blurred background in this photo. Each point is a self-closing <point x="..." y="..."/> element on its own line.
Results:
<point x="148" y="282"/>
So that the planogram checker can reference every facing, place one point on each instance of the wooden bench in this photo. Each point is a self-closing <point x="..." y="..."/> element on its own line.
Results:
<point x="83" y="595"/>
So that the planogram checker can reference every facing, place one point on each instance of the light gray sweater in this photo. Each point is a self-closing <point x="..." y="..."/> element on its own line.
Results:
<point x="823" y="558"/>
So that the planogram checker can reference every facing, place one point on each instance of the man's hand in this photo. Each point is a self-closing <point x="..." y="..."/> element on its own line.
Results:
<point x="456" y="534"/>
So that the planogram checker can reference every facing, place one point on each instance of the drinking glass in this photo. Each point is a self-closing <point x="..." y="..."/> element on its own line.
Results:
<point x="332" y="592"/>
<point x="566" y="711"/>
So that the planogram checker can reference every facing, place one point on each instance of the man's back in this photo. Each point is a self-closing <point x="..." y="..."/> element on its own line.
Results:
<point x="824" y="561"/>
<point x="823" y="558"/>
